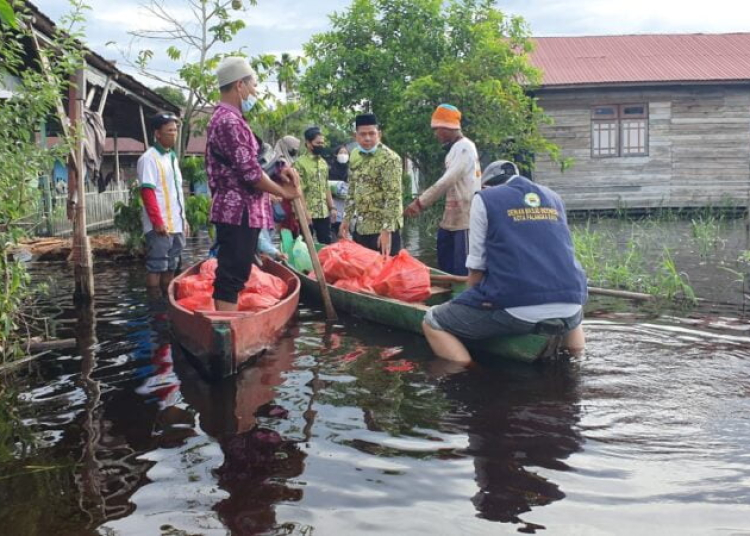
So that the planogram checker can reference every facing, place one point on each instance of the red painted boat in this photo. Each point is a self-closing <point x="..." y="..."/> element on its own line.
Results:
<point x="224" y="341"/>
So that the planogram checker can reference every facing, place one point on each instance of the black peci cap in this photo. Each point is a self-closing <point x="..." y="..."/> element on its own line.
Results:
<point x="364" y="120"/>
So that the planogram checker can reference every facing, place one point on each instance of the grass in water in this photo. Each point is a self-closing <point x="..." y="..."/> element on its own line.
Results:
<point x="624" y="266"/>
<point x="706" y="230"/>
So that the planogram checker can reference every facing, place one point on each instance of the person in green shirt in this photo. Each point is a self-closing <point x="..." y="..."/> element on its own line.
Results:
<point x="374" y="207"/>
<point x="313" y="172"/>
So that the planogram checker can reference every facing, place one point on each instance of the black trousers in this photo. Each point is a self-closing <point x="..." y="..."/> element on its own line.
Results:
<point x="322" y="229"/>
<point x="370" y="241"/>
<point x="237" y="247"/>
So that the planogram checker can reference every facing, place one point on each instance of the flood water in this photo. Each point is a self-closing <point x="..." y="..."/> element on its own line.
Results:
<point x="353" y="428"/>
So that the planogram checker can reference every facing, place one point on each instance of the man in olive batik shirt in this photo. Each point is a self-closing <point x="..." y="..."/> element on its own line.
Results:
<point x="313" y="172"/>
<point x="374" y="207"/>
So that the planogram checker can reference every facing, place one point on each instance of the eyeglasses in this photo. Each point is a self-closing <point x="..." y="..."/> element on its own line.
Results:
<point x="168" y="117"/>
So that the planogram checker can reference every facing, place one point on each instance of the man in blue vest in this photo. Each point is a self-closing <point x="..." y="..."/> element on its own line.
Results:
<point x="523" y="275"/>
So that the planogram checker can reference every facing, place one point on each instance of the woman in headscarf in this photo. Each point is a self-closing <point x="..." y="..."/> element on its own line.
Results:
<point x="286" y="149"/>
<point x="338" y="181"/>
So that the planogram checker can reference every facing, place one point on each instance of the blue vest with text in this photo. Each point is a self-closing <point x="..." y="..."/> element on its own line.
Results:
<point x="530" y="259"/>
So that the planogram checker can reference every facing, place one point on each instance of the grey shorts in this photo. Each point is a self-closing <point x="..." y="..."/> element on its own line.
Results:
<point x="472" y="323"/>
<point x="163" y="252"/>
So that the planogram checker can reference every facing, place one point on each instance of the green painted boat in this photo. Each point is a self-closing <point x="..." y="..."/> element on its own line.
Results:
<point x="408" y="316"/>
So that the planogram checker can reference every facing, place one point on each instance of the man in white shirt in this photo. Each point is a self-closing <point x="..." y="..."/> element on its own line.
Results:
<point x="458" y="184"/>
<point x="163" y="214"/>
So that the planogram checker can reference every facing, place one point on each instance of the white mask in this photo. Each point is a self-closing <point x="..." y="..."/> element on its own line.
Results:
<point x="342" y="158"/>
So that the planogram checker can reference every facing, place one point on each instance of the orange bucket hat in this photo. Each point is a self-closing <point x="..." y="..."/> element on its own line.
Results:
<point x="446" y="116"/>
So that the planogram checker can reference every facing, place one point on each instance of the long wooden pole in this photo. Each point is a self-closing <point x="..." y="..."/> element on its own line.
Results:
<point x="638" y="296"/>
<point x="299" y="211"/>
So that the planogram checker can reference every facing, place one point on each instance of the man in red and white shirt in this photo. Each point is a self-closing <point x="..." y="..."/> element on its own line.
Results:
<point x="163" y="203"/>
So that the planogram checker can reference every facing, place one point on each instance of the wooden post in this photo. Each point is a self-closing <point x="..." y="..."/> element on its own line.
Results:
<point x="143" y="126"/>
<point x="117" y="161"/>
<point x="46" y="180"/>
<point x="299" y="211"/>
<point x="83" y="268"/>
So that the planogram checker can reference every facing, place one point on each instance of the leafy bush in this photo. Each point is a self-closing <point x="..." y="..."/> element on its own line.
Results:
<point x="128" y="220"/>
<point x="194" y="170"/>
<point x="198" y="211"/>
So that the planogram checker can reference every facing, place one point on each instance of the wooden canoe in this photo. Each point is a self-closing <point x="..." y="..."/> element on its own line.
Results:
<point x="408" y="317"/>
<point x="224" y="341"/>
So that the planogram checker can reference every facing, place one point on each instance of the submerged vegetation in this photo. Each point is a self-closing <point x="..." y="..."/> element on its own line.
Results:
<point x="630" y="266"/>
<point x="706" y="230"/>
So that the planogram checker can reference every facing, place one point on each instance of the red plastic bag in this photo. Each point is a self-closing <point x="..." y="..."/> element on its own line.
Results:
<point x="193" y="284"/>
<point x="208" y="268"/>
<point x="403" y="278"/>
<point x="252" y="301"/>
<point x="202" y="301"/>
<point x="348" y="260"/>
<point x="261" y="282"/>
<point x="360" y="284"/>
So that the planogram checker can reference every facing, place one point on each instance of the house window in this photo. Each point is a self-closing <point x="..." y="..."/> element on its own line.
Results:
<point x="619" y="130"/>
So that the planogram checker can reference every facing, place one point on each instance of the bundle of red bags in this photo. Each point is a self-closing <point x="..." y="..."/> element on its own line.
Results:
<point x="262" y="290"/>
<point x="348" y="260"/>
<point x="350" y="266"/>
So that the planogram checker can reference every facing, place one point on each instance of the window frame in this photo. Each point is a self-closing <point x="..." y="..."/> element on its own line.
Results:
<point x="618" y="120"/>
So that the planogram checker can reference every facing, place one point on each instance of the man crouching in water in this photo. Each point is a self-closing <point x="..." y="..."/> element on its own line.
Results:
<point x="523" y="274"/>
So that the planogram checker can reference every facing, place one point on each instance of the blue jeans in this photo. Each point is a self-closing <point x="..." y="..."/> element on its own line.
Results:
<point x="452" y="250"/>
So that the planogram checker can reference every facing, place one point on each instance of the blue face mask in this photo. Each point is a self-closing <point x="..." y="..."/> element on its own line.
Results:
<point x="368" y="151"/>
<point x="249" y="103"/>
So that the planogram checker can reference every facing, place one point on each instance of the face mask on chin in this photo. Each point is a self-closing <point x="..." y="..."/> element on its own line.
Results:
<point x="368" y="151"/>
<point x="248" y="103"/>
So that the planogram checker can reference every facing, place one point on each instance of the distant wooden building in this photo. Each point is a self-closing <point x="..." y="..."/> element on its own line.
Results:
<point x="650" y="120"/>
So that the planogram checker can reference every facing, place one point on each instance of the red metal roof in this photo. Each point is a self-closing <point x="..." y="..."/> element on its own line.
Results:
<point x="634" y="59"/>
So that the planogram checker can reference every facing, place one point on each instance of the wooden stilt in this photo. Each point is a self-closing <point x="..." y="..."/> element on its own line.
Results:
<point x="83" y="266"/>
<point x="117" y="161"/>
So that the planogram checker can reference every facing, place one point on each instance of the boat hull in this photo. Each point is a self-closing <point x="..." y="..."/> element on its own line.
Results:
<point x="225" y="341"/>
<point x="409" y="316"/>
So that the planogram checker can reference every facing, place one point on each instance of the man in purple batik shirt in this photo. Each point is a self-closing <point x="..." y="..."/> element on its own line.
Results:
<point x="239" y="186"/>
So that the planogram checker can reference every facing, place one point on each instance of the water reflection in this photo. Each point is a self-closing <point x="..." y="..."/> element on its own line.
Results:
<point x="258" y="460"/>
<point x="356" y="429"/>
<point x="518" y="421"/>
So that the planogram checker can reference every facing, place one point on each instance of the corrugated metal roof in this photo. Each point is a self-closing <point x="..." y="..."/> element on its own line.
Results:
<point x="643" y="58"/>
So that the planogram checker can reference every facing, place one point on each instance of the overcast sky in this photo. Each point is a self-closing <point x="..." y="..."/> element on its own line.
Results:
<point x="277" y="26"/>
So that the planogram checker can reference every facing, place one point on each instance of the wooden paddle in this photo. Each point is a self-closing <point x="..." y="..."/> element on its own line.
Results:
<point x="299" y="211"/>
<point x="638" y="296"/>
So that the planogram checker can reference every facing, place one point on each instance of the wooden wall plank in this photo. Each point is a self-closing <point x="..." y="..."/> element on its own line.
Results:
<point x="699" y="148"/>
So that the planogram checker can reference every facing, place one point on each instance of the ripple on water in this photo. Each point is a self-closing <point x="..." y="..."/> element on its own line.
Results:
<point x="351" y="428"/>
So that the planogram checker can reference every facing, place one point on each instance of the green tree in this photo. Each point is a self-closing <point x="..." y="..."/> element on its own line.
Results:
<point x="172" y="94"/>
<point x="7" y="15"/>
<point x="33" y="96"/>
<point x="193" y="48"/>
<point x="401" y="58"/>
<point x="287" y="68"/>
